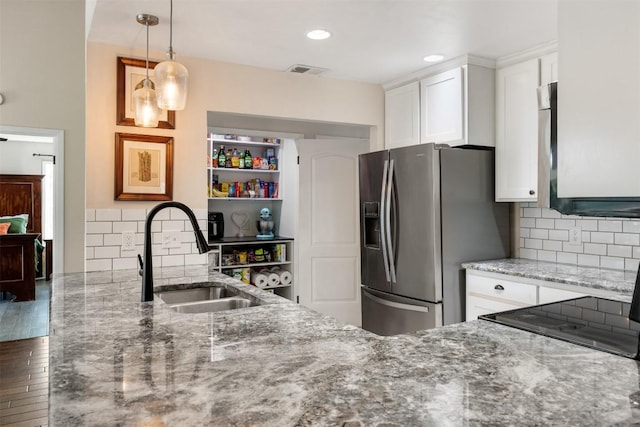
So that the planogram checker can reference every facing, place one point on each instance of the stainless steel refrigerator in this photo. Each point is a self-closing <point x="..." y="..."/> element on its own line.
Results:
<point x="424" y="210"/>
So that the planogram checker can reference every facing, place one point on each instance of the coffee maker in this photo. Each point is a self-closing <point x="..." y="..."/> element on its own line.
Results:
<point x="216" y="226"/>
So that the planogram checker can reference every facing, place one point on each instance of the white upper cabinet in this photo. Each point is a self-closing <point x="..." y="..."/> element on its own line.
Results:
<point x="457" y="106"/>
<point x="442" y="103"/>
<point x="599" y="98"/>
<point x="517" y="132"/>
<point x="451" y="103"/>
<point x="402" y="116"/>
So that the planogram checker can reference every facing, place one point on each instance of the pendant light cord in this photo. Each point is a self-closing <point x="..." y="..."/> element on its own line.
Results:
<point x="147" y="59"/>
<point x="171" y="30"/>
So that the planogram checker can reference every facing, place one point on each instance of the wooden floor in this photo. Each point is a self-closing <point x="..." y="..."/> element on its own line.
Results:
<point x="24" y="382"/>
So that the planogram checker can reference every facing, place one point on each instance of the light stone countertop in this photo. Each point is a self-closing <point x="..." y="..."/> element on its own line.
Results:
<point x="117" y="361"/>
<point x="619" y="282"/>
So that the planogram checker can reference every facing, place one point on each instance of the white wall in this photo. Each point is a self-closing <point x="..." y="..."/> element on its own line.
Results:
<point x="42" y="64"/>
<point x="16" y="157"/>
<point x="213" y="86"/>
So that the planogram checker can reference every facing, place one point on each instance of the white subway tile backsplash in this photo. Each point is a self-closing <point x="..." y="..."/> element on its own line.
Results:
<point x="528" y="253"/>
<point x="539" y="233"/>
<point x="567" y="258"/>
<point x="559" y="235"/>
<point x="99" y="227"/>
<point x="595" y="248"/>
<point x="533" y="243"/>
<point x="631" y="226"/>
<point x="525" y="232"/>
<point x="600" y="237"/>
<point x="104" y="228"/>
<point x="619" y="251"/>
<point x="134" y="214"/>
<point x="612" y="262"/>
<point x="567" y="247"/>
<point x="527" y="222"/>
<point x="545" y="223"/>
<point x="532" y="212"/>
<point x="552" y="245"/>
<point x="588" y="260"/>
<point x="564" y="224"/>
<point x="108" y="214"/>
<point x="550" y="213"/>
<point x="610" y="225"/>
<point x="550" y="256"/>
<point x="587" y="224"/>
<point x="627" y="239"/>
<point x="636" y="252"/>
<point x="631" y="264"/>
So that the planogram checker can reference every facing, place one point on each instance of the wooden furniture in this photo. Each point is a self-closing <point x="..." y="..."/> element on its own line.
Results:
<point x="22" y="194"/>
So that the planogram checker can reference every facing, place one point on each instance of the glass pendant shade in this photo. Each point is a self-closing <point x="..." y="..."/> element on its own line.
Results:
<point x="171" y="82"/>
<point x="145" y="104"/>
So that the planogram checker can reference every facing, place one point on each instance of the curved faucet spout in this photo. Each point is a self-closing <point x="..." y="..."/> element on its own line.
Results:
<point x="147" y="264"/>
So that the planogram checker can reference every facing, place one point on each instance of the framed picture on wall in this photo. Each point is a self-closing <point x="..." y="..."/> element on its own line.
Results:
<point x="143" y="167"/>
<point x="130" y="73"/>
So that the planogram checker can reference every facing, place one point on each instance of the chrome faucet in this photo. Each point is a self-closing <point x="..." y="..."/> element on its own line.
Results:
<point x="146" y="265"/>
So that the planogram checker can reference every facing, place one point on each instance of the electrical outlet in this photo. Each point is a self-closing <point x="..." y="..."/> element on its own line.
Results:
<point x="575" y="235"/>
<point x="128" y="241"/>
<point x="170" y="239"/>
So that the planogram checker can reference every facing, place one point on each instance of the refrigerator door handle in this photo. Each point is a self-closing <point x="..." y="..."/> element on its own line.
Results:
<point x="398" y="305"/>
<point x="387" y="227"/>
<point x="383" y="228"/>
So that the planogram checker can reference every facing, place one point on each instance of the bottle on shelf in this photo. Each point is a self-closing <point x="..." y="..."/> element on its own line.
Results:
<point x="241" y="165"/>
<point x="248" y="161"/>
<point x="214" y="158"/>
<point x="222" y="158"/>
<point x="235" y="159"/>
<point x="228" y="163"/>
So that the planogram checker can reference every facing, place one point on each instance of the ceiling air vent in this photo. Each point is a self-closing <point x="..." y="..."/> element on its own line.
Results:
<point x="305" y="69"/>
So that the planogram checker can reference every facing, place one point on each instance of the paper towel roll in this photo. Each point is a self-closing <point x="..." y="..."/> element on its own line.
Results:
<point x="285" y="276"/>
<point x="260" y="280"/>
<point x="274" y="279"/>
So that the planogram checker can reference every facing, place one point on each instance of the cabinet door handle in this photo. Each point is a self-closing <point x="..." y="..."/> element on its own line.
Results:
<point x="531" y="192"/>
<point x="498" y="288"/>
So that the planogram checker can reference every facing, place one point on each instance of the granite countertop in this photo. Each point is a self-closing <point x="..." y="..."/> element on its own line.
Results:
<point x="617" y="282"/>
<point x="117" y="361"/>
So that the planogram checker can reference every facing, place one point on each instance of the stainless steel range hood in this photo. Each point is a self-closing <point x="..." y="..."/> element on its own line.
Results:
<point x="624" y="207"/>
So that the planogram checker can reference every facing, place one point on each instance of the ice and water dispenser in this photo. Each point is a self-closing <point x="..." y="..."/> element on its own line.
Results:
<point x="371" y="214"/>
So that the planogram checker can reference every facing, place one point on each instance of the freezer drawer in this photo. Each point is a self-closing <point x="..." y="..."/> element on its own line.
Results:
<point x="387" y="314"/>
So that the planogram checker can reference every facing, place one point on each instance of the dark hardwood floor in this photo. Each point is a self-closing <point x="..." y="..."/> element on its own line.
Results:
<point x="24" y="382"/>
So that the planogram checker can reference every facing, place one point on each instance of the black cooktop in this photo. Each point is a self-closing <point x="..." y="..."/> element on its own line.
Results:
<point x="597" y="323"/>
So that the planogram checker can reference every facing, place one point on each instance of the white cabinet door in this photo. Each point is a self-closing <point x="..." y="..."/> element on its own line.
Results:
<point x="477" y="306"/>
<point x="517" y="132"/>
<point x="442" y="107"/>
<point x="402" y="116"/>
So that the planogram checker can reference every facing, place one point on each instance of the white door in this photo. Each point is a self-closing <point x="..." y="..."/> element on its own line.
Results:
<point x="328" y="238"/>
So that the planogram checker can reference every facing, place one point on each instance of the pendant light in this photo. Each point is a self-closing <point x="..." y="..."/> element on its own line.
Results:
<point x="171" y="77"/>
<point x="145" y="103"/>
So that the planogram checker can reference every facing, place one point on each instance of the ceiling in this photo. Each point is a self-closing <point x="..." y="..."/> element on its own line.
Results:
<point x="373" y="40"/>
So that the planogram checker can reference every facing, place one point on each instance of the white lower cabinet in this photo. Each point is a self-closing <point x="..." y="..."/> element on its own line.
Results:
<point x="492" y="292"/>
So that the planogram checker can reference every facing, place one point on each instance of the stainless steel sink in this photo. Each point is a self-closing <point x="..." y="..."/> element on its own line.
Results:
<point x="205" y="299"/>
<point x="232" y="303"/>
<point x="182" y="296"/>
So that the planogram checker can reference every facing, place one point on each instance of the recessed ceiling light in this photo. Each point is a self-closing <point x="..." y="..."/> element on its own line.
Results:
<point x="318" y="34"/>
<point x="434" y="58"/>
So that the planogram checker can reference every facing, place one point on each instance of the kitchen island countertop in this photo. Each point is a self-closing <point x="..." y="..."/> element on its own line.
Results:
<point x="117" y="361"/>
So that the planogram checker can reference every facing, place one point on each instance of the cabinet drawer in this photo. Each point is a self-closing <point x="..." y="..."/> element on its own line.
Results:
<point x="500" y="289"/>
<point x="547" y="295"/>
<point x="477" y="306"/>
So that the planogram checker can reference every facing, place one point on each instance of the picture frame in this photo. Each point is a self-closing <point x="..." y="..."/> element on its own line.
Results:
<point x="130" y="72"/>
<point x="143" y="167"/>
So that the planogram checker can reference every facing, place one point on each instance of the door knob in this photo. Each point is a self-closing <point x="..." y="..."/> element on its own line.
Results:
<point x="531" y="192"/>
